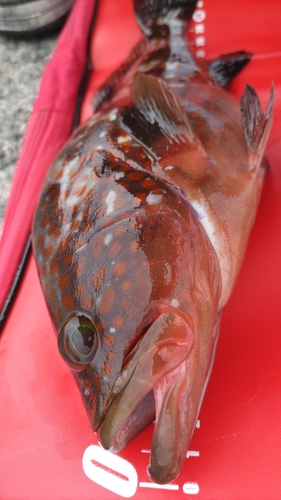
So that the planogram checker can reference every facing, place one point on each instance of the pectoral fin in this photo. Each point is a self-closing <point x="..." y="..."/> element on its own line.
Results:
<point x="256" y="124"/>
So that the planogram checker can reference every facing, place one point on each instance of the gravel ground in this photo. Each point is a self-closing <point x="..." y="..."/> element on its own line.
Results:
<point x="21" y="66"/>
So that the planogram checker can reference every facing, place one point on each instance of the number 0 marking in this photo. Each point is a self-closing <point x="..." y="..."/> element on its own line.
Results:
<point x="108" y="478"/>
<point x="191" y="488"/>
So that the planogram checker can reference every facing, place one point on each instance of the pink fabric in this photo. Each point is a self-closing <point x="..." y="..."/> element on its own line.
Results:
<point x="49" y="127"/>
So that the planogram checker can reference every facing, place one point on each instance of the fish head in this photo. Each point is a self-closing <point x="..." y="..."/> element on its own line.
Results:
<point x="142" y="292"/>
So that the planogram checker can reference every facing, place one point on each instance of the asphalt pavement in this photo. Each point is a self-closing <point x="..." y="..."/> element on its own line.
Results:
<point x="21" y="66"/>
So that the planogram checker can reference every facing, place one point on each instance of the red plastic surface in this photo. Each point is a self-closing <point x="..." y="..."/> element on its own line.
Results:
<point x="47" y="448"/>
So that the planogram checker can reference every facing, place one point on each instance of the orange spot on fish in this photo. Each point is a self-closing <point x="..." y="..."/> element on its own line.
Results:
<point x="53" y="295"/>
<point x="46" y="205"/>
<point x="90" y="193"/>
<point x="126" y="286"/>
<point x="63" y="281"/>
<point x="157" y="190"/>
<point x="75" y="210"/>
<point x="106" y="369"/>
<point x="98" y="277"/>
<point x="141" y="196"/>
<point x="119" y="231"/>
<point x="147" y="183"/>
<point x="110" y="355"/>
<point x="80" y="191"/>
<point x="120" y="268"/>
<point x="101" y="326"/>
<point x="74" y="225"/>
<point x="48" y="251"/>
<point x="135" y="176"/>
<point x="54" y="266"/>
<point x="80" y="266"/>
<point x="98" y="246"/>
<point x="65" y="243"/>
<point x="45" y="221"/>
<point x="118" y="322"/>
<point x="114" y="248"/>
<point x="86" y="301"/>
<point x="67" y="302"/>
<point x="59" y="175"/>
<point x="107" y="301"/>
<point x="86" y="214"/>
<point x="67" y="259"/>
<point x="57" y="232"/>
<point x="81" y="290"/>
<point x="134" y="246"/>
<point x="40" y="241"/>
<point x="108" y="339"/>
<point x="44" y="270"/>
<point x="57" y="313"/>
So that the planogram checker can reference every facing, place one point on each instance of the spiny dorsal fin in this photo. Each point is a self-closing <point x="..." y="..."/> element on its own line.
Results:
<point x="110" y="86"/>
<point x="157" y="103"/>
<point x="227" y="66"/>
<point x="256" y="124"/>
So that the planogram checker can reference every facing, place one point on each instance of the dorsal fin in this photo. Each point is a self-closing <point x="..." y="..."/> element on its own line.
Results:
<point x="256" y="124"/>
<point x="158" y="104"/>
<point x="159" y="123"/>
<point x="224" y="68"/>
<point x="110" y="86"/>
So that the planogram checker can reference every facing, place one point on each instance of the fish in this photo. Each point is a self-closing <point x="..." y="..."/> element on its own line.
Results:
<point x="140" y="232"/>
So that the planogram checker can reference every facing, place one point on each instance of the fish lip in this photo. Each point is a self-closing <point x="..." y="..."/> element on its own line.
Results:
<point x="130" y="427"/>
<point x="159" y="365"/>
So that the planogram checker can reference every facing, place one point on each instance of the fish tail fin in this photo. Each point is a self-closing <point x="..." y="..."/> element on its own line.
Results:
<point x="151" y="14"/>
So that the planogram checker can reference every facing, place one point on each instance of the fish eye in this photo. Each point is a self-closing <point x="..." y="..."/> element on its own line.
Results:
<point x="77" y="340"/>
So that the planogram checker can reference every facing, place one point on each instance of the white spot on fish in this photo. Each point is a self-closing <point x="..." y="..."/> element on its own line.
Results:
<point x="123" y="138"/>
<point x="119" y="175"/>
<point x="175" y="303"/>
<point x="112" y="330"/>
<point x="102" y="134"/>
<point x="170" y="167"/>
<point x="108" y="239"/>
<point x="172" y="65"/>
<point x="154" y="199"/>
<point x="109" y="201"/>
<point x="99" y="147"/>
<point x="112" y="115"/>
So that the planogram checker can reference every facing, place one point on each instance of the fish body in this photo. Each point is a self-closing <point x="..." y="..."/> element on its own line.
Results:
<point x="141" y="229"/>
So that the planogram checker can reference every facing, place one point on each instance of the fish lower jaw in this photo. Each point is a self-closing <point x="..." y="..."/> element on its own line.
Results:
<point x="170" y="440"/>
<point x="158" y="386"/>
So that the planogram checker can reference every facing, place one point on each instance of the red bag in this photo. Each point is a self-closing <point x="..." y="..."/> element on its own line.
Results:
<point x="47" y="448"/>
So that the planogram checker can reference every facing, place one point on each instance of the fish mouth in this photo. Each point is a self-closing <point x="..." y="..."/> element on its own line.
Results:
<point x="155" y="384"/>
